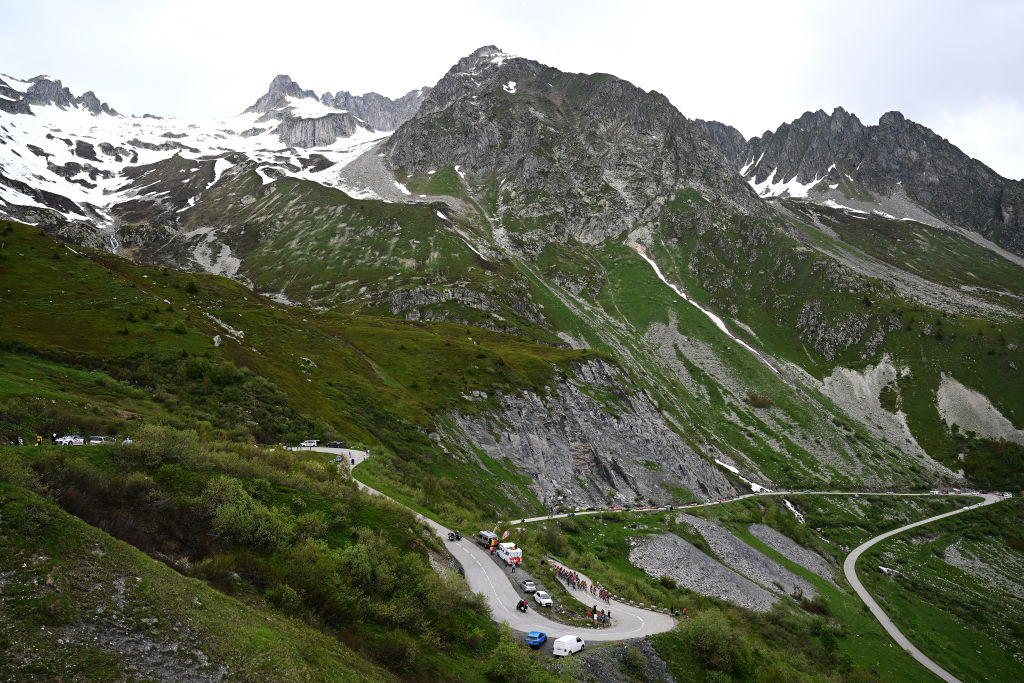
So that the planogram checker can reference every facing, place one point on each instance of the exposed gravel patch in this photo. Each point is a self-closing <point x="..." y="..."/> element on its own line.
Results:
<point x="793" y="551"/>
<point x="973" y="412"/>
<point x="669" y="555"/>
<point x="150" y="657"/>
<point x="742" y="558"/>
<point x="858" y="394"/>
<point x="1001" y="568"/>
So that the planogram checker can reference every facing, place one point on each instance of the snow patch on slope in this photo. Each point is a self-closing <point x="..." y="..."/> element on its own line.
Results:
<point x="99" y="182"/>
<point x="719" y="323"/>
<point x="308" y="108"/>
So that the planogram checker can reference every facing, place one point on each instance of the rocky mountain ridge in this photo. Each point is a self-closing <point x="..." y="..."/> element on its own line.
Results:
<point x="286" y="99"/>
<point x="592" y="155"/>
<point x="836" y="158"/>
<point x="17" y="95"/>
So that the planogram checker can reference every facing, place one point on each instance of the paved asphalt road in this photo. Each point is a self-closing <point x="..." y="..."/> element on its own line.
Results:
<point x="495" y="583"/>
<point x="486" y="577"/>
<point x="850" y="569"/>
<point x="726" y="500"/>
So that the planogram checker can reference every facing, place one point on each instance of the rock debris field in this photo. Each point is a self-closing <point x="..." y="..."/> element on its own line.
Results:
<point x="744" y="576"/>
<point x="669" y="555"/>
<point x="793" y="551"/>
<point x="749" y="562"/>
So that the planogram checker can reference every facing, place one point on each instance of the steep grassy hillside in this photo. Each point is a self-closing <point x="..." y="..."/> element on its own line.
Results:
<point x="78" y="604"/>
<point x="94" y="343"/>
<point x="272" y="528"/>
<point x="958" y="593"/>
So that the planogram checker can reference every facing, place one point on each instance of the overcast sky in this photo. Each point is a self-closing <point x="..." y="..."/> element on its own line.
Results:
<point x="953" y="66"/>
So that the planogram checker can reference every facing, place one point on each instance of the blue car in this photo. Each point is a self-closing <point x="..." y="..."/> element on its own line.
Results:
<point x="536" y="638"/>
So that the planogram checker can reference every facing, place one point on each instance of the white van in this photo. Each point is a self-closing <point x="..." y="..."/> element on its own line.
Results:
<point x="567" y="645"/>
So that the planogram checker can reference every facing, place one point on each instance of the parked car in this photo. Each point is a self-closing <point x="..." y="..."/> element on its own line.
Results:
<point x="309" y="443"/>
<point x="336" y="444"/>
<point x="614" y="508"/>
<point x="536" y="638"/>
<point x="337" y="459"/>
<point x="567" y="645"/>
<point x="71" y="440"/>
<point x="543" y="599"/>
<point x="528" y="586"/>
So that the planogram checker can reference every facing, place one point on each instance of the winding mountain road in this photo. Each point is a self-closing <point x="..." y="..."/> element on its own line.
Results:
<point x="850" y="569"/>
<point x="486" y="577"/>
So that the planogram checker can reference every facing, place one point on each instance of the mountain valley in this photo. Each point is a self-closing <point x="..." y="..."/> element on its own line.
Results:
<point x="525" y="291"/>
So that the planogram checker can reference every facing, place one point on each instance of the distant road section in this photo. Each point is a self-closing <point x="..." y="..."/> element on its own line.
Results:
<point x="850" y="569"/>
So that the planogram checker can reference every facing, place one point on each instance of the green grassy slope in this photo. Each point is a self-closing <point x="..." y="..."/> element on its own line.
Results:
<point x="78" y="604"/>
<point x="790" y="287"/>
<point x="275" y="529"/>
<point x="90" y="342"/>
<point x="966" y="614"/>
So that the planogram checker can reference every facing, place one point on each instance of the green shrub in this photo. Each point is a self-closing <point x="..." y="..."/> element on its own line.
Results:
<point x="711" y="640"/>
<point x="634" y="662"/>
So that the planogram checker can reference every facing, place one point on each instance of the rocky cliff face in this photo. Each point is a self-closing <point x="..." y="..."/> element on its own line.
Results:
<point x="579" y="156"/>
<point x="318" y="132"/>
<point x="895" y="157"/>
<point x="589" y="442"/>
<point x="383" y="113"/>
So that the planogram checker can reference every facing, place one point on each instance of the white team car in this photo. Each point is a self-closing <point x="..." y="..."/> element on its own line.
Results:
<point x="567" y="645"/>
<point x="543" y="599"/>
<point x="309" y="443"/>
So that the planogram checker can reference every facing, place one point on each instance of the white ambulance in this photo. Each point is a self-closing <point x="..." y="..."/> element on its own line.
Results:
<point x="510" y="553"/>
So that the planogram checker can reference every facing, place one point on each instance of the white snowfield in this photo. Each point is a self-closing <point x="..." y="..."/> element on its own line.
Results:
<point x="55" y="132"/>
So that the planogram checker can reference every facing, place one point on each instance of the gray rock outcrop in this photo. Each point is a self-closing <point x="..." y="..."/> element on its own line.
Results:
<point x="276" y="97"/>
<point x="317" y="132"/>
<point x="581" y="450"/>
<point x="671" y="556"/>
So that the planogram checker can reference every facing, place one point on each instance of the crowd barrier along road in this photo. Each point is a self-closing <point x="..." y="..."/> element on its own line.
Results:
<point x="487" y="578"/>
